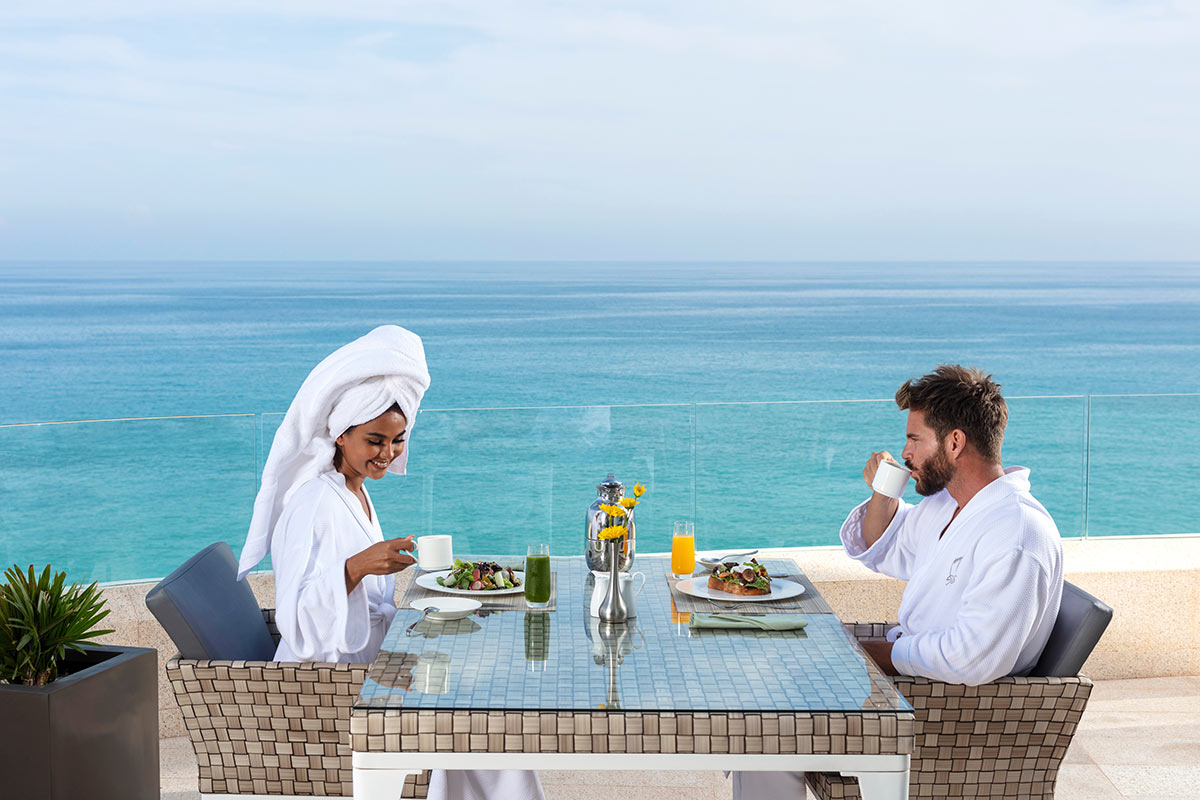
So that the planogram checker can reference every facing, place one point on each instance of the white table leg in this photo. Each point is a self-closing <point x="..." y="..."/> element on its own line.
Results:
<point x="882" y="785"/>
<point x="379" y="784"/>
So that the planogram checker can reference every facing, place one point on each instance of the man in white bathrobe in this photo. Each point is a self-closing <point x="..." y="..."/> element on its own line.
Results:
<point x="983" y="559"/>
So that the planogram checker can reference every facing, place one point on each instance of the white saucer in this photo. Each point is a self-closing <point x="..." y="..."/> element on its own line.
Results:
<point x="448" y="607"/>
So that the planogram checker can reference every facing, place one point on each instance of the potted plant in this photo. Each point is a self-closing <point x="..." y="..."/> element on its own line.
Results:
<point x="76" y="719"/>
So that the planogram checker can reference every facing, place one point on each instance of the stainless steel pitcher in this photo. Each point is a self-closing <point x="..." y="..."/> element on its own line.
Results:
<point x="608" y="493"/>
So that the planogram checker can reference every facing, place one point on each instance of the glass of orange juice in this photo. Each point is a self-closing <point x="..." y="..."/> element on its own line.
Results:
<point x="683" y="549"/>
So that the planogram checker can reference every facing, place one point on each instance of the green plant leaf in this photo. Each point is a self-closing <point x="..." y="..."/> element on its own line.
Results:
<point x="41" y="617"/>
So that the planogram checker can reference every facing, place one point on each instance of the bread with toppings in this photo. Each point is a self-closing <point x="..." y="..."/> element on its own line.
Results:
<point x="748" y="578"/>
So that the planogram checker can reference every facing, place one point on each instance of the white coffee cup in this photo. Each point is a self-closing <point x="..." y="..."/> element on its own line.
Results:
<point x="435" y="552"/>
<point x="890" y="479"/>
<point x="627" y="591"/>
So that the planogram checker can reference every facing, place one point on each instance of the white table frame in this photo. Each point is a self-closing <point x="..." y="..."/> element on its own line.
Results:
<point x="380" y="776"/>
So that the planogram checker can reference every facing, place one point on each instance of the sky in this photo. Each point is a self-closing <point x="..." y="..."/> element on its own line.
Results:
<point x="676" y="130"/>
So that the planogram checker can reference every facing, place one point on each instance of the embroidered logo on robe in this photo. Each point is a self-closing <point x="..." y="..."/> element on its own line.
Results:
<point x="953" y="570"/>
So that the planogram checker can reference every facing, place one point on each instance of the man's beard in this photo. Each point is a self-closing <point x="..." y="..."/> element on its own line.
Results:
<point x="935" y="473"/>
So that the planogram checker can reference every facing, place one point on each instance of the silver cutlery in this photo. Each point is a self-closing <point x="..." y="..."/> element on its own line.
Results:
<point x="425" y="612"/>
<point x="727" y="557"/>
<point x="726" y="606"/>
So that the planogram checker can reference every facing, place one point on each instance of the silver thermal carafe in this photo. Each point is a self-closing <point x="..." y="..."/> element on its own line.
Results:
<point x="608" y="493"/>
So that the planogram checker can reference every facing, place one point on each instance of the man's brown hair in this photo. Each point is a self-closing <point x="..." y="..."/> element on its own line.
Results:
<point x="953" y="396"/>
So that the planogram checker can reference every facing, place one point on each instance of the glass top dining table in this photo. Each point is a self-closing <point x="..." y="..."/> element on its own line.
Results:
<point x="555" y="689"/>
<point x="566" y="660"/>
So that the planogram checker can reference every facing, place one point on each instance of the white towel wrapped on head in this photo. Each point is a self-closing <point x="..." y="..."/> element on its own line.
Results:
<point x="354" y="384"/>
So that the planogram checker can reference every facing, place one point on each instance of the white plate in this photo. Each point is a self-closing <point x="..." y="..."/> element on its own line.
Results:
<point x="715" y="557"/>
<point x="447" y="607"/>
<point x="698" y="587"/>
<point x="429" y="581"/>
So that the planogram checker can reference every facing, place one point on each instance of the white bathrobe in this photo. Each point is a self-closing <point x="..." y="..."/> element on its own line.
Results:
<point x="982" y="599"/>
<point x="311" y="523"/>
<point x="322" y="525"/>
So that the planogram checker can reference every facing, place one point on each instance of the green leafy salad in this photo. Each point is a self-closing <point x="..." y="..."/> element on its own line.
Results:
<point x="479" y="576"/>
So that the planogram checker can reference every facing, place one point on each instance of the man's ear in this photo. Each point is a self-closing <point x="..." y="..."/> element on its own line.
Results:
<point x="956" y="444"/>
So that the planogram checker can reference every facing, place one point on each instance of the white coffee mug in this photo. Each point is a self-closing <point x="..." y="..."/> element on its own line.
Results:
<point x="890" y="479"/>
<point x="627" y="590"/>
<point x="435" y="552"/>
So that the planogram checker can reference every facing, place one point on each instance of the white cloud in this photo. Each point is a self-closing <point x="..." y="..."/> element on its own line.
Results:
<point x="765" y="129"/>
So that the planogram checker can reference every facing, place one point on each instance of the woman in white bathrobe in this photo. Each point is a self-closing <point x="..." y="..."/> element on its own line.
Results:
<point x="334" y="570"/>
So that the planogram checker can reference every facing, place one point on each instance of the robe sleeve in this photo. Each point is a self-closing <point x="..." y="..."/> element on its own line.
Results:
<point x="982" y="645"/>
<point x="316" y="618"/>
<point x="894" y="553"/>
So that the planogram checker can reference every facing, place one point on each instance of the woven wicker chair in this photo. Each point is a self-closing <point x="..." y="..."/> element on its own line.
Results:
<point x="272" y="728"/>
<point x="1002" y="739"/>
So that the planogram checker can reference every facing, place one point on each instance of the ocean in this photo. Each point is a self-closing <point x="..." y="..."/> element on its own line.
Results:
<point x="746" y="396"/>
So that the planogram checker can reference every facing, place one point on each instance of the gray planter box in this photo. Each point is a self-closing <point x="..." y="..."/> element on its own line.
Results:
<point x="92" y="734"/>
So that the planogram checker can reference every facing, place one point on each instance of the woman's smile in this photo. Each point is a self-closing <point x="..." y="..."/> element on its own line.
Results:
<point x="367" y="450"/>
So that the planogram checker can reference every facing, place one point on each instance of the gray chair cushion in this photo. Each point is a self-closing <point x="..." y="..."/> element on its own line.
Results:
<point x="1081" y="622"/>
<point x="208" y="612"/>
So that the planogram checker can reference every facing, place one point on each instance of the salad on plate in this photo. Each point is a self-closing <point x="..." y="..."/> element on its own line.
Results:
<point x="479" y="576"/>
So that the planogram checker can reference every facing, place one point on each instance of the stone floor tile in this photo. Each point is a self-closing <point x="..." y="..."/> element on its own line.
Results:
<point x="1078" y="753"/>
<point x="1084" y="782"/>
<point x="1171" y="695"/>
<point x="1110" y="737"/>
<point x="1139" y="781"/>
<point x="177" y="759"/>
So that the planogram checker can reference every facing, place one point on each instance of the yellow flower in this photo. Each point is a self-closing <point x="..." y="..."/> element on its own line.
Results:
<point x="613" y="532"/>
<point x="629" y="502"/>
<point x="612" y="511"/>
<point x="638" y="490"/>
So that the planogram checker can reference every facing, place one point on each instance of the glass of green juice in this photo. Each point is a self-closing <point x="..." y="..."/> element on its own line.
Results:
<point x="537" y="575"/>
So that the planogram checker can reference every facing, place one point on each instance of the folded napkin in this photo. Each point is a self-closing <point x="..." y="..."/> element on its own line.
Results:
<point x="766" y="622"/>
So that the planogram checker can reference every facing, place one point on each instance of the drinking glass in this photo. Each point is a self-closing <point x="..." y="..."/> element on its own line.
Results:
<point x="537" y="575"/>
<point x="683" y="549"/>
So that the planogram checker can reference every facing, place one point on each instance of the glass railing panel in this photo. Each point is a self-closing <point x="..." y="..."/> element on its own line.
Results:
<point x="1048" y="435"/>
<point x="126" y="499"/>
<point x="1141" y="465"/>
<point x="500" y="479"/>
<point x="786" y="474"/>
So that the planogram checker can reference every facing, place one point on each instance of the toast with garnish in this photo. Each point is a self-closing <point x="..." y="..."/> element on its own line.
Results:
<point x="747" y="578"/>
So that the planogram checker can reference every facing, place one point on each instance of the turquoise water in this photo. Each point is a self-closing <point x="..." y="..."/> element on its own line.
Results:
<point x="707" y="382"/>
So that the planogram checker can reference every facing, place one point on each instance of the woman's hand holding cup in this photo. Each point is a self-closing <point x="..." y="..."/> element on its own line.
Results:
<point x="382" y="558"/>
